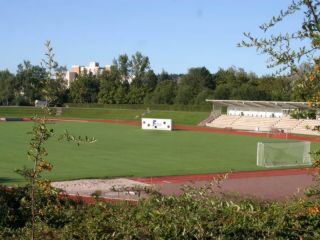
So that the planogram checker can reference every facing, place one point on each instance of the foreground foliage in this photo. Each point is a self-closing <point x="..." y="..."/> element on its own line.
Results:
<point x="194" y="215"/>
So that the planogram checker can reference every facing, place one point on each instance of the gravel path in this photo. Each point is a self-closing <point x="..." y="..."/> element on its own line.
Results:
<point x="110" y="188"/>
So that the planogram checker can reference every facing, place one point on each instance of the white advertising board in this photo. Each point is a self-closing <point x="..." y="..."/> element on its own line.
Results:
<point x="156" y="124"/>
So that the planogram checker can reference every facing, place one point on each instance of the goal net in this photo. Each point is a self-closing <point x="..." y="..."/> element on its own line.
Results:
<point x="282" y="154"/>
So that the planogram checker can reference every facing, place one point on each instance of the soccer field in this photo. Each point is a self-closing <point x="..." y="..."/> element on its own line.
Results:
<point x="123" y="150"/>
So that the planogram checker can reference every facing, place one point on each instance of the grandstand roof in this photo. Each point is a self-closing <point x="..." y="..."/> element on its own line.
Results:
<point x="259" y="104"/>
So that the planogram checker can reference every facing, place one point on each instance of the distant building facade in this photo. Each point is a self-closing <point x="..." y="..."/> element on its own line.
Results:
<point x="93" y="68"/>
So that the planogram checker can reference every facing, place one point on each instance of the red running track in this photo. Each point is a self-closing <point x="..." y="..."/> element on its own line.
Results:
<point x="234" y="175"/>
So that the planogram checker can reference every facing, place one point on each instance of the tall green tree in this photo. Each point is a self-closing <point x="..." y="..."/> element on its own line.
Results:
<point x="84" y="88"/>
<point x="165" y="92"/>
<point x="277" y="88"/>
<point x="29" y="83"/>
<point x="132" y="80"/>
<point x="121" y="94"/>
<point x="223" y="91"/>
<point x="234" y="83"/>
<point x="54" y="89"/>
<point x="247" y="91"/>
<point x="164" y="75"/>
<point x="185" y="94"/>
<point x="140" y="65"/>
<point x="286" y="51"/>
<point x="109" y="82"/>
<point x="122" y="66"/>
<point x="6" y="87"/>
<point x="280" y="48"/>
<point x="150" y="80"/>
<point x="195" y="81"/>
<point x="136" y="94"/>
<point x="201" y="97"/>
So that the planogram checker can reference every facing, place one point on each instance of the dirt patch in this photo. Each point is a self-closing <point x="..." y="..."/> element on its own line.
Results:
<point x="107" y="188"/>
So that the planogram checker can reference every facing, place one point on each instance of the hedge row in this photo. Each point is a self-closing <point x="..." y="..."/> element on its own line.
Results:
<point x="194" y="108"/>
<point x="193" y="215"/>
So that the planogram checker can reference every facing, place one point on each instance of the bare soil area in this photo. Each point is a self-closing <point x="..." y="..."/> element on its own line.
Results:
<point x="120" y="188"/>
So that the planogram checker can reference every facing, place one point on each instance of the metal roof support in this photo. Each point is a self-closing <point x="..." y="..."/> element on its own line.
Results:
<point x="266" y="104"/>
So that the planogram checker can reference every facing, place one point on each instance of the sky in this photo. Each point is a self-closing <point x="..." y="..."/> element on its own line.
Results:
<point x="175" y="34"/>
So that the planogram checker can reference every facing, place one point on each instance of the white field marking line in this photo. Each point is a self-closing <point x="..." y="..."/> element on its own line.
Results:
<point x="67" y="120"/>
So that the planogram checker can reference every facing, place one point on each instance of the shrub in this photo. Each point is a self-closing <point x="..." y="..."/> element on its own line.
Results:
<point x="193" y="215"/>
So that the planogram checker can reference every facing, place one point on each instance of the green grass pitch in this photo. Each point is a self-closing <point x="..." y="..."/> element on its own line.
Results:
<point x="123" y="150"/>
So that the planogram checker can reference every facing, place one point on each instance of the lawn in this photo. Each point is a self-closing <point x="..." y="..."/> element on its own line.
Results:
<point x="123" y="150"/>
<point x="178" y="117"/>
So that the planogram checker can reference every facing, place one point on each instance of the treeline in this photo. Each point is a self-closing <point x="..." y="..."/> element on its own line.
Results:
<point x="132" y="81"/>
<point x="30" y="83"/>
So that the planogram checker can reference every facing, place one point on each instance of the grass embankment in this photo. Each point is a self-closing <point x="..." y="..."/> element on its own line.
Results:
<point x="123" y="150"/>
<point x="178" y="117"/>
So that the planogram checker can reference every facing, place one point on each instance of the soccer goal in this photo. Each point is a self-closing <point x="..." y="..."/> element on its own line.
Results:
<point x="283" y="154"/>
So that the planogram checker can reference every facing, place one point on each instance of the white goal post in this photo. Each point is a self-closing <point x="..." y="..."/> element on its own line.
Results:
<point x="283" y="154"/>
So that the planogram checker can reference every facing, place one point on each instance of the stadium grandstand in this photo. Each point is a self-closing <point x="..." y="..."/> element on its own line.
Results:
<point x="260" y="116"/>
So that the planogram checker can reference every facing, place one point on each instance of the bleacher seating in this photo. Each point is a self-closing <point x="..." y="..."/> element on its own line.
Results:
<point x="223" y="121"/>
<point x="287" y="124"/>
<point x="254" y="123"/>
<point x="265" y="124"/>
<point x="306" y="127"/>
<point x="243" y="123"/>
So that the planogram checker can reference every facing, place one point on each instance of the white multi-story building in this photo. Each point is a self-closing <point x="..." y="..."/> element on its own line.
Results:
<point x="69" y="77"/>
<point x="93" y="68"/>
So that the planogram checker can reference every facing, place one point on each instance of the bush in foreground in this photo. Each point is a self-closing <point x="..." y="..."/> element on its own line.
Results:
<point x="193" y="215"/>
